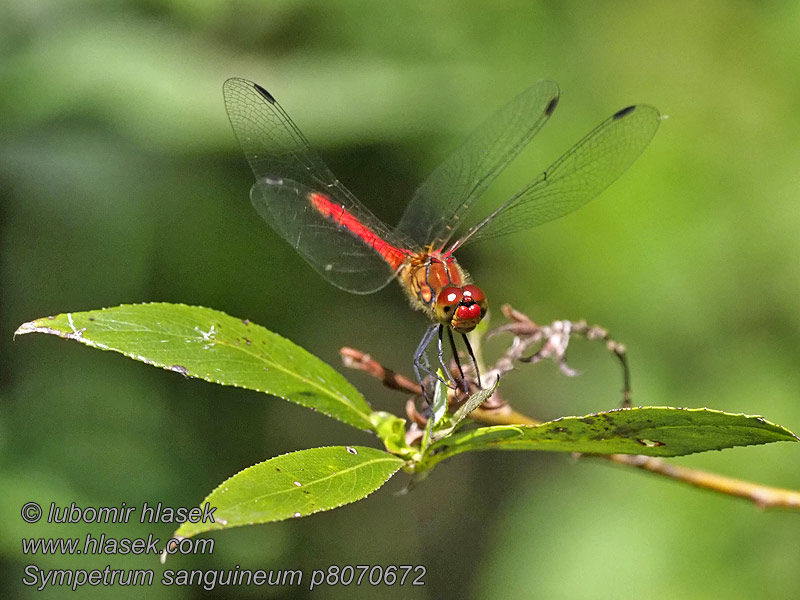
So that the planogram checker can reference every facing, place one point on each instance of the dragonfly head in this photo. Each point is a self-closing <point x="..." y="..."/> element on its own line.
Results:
<point x="461" y="308"/>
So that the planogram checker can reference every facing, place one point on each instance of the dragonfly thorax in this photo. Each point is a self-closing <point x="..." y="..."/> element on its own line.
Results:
<point x="438" y="286"/>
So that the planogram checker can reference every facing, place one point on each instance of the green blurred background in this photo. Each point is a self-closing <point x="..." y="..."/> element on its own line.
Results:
<point x="121" y="182"/>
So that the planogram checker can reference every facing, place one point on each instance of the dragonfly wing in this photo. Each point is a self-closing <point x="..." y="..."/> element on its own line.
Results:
<point x="582" y="173"/>
<point x="340" y="255"/>
<point x="288" y="175"/>
<point x="443" y="201"/>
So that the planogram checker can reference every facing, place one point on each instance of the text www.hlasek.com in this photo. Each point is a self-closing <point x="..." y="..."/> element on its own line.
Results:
<point x="104" y="544"/>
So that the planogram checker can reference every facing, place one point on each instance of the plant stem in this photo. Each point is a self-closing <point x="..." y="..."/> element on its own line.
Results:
<point x="762" y="495"/>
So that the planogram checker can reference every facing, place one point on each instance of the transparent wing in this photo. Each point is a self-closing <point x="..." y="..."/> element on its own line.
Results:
<point x="443" y="201"/>
<point x="288" y="172"/>
<point x="582" y="173"/>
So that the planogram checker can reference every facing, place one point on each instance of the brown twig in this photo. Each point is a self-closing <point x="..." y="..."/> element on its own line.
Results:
<point x="762" y="495"/>
<point x="553" y="339"/>
<point x="355" y="359"/>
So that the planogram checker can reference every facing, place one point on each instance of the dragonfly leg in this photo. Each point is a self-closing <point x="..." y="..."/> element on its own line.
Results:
<point x="421" y="363"/>
<point x="444" y="366"/>
<point x="474" y="360"/>
<point x="458" y="361"/>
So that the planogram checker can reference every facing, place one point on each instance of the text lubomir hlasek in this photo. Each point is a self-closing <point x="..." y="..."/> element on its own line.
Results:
<point x="149" y="513"/>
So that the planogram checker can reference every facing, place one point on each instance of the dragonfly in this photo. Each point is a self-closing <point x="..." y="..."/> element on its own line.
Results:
<point x="304" y="202"/>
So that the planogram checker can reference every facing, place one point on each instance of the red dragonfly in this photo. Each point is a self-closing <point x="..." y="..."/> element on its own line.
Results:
<point x="304" y="202"/>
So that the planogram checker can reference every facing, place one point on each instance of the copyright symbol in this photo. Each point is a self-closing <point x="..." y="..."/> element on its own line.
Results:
<point x="31" y="512"/>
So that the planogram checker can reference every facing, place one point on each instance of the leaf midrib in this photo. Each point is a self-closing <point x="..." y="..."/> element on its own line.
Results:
<point x="294" y="488"/>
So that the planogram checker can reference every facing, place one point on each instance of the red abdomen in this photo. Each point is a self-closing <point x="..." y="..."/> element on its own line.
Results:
<point x="393" y="255"/>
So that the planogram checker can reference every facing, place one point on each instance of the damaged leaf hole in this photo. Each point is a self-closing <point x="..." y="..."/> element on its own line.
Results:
<point x="650" y="443"/>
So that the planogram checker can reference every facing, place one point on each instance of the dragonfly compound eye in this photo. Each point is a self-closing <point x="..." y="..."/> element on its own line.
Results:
<point x="461" y="308"/>
<point x="477" y="296"/>
<point x="470" y="310"/>
<point x="446" y="303"/>
<point x="474" y="292"/>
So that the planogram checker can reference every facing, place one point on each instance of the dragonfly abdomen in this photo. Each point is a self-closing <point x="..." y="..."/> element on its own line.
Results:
<point x="346" y="220"/>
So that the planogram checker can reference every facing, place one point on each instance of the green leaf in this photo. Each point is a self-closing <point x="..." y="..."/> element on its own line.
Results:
<point x="473" y="402"/>
<point x="438" y="410"/>
<point x="295" y="485"/>
<point x="208" y="344"/>
<point x="391" y="430"/>
<point x="653" y="431"/>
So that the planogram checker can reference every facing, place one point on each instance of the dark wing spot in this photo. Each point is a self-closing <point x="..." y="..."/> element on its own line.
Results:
<point x="267" y="96"/>
<point x="551" y="106"/>
<point x="624" y="112"/>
